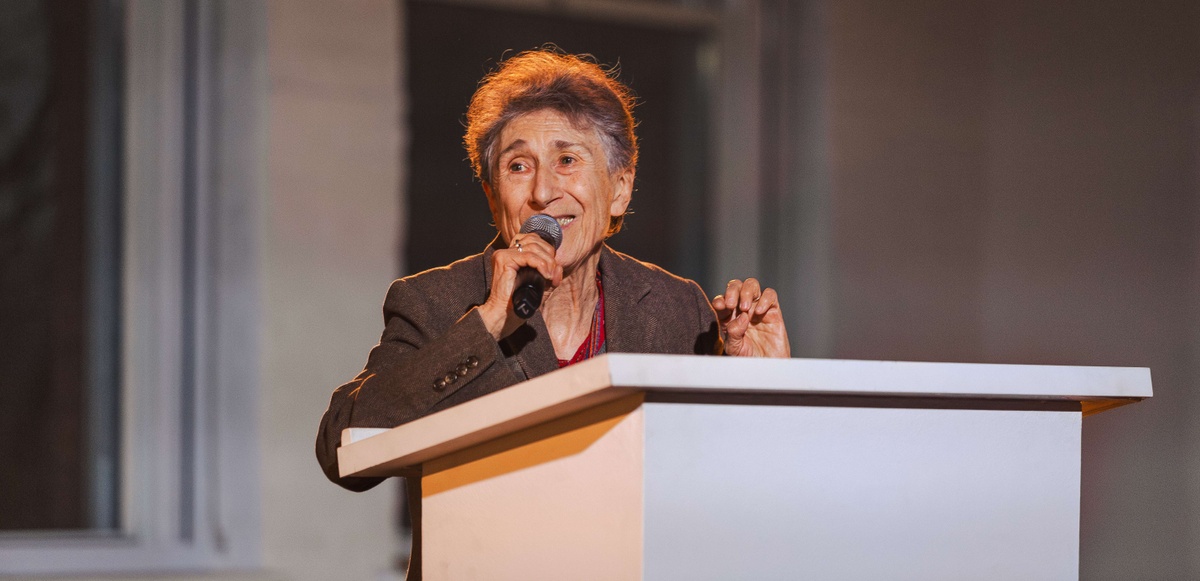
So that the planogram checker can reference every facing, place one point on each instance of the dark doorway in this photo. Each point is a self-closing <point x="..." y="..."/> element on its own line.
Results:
<point x="452" y="46"/>
<point x="59" y="285"/>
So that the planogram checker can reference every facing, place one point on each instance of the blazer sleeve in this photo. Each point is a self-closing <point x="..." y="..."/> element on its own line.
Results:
<point x="708" y="331"/>
<point x="423" y="357"/>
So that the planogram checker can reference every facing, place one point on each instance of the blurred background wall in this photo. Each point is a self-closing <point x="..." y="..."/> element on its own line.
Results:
<point x="1017" y="182"/>
<point x="1013" y="182"/>
<point x="333" y="217"/>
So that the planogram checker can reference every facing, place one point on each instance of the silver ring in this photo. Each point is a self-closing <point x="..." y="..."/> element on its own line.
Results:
<point x="519" y="247"/>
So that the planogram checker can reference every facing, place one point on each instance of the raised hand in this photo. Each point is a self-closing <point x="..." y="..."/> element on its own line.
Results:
<point x="751" y="320"/>
<point x="526" y="250"/>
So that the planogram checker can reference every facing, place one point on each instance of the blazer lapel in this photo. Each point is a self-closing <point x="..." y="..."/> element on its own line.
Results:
<point x="624" y="288"/>
<point x="536" y="355"/>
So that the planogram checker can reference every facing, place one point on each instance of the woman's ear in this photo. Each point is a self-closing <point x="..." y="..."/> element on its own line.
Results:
<point x="491" y="200"/>
<point x="622" y="192"/>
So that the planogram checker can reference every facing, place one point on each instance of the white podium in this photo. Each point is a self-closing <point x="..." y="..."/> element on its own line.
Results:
<point x="681" y="467"/>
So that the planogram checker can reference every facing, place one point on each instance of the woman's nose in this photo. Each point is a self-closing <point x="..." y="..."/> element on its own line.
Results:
<point x="545" y="189"/>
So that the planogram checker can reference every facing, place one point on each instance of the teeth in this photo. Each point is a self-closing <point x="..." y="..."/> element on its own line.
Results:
<point x="564" y="221"/>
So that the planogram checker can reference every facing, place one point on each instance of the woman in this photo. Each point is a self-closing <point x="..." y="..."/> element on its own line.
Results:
<point x="553" y="134"/>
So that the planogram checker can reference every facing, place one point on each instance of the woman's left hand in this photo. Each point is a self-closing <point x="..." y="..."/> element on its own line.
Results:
<point x="751" y="320"/>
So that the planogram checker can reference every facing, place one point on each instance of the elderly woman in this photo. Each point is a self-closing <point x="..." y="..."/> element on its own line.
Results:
<point x="552" y="134"/>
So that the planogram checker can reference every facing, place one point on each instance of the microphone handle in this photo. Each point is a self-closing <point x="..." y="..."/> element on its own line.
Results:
<point x="527" y="296"/>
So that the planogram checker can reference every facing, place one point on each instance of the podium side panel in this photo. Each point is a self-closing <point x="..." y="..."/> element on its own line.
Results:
<point x="558" y="501"/>
<point x="762" y="492"/>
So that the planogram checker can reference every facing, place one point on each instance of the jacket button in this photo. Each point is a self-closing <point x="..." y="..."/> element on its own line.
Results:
<point x="439" y="384"/>
<point x="450" y="377"/>
<point x="461" y="370"/>
<point x="473" y="361"/>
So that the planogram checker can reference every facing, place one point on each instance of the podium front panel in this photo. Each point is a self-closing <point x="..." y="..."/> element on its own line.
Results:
<point x="562" y="500"/>
<point x="781" y="492"/>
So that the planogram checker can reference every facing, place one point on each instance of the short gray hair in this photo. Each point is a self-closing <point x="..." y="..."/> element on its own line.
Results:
<point x="574" y="85"/>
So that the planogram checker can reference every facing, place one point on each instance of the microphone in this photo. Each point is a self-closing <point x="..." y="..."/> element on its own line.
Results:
<point x="527" y="296"/>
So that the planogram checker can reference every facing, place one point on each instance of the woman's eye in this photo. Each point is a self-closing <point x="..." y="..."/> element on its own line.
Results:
<point x="568" y="160"/>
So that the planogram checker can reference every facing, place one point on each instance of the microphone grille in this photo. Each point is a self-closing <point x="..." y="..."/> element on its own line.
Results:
<point x="544" y="226"/>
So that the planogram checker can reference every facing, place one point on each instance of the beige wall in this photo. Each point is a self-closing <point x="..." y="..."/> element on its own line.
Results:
<point x="326" y="184"/>
<point x="332" y="210"/>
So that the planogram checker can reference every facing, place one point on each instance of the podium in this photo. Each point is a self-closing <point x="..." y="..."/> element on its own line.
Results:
<point x="631" y="466"/>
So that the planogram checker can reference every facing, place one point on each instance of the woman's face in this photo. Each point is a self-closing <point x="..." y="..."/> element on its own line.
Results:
<point x="547" y="166"/>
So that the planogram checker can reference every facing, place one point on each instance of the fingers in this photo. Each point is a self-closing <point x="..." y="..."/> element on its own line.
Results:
<point x="526" y="250"/>
<point x="726" y="304"/>
<point x="752" y="320"/>
<point x="731" y="298"/>
<point x="736" y="327"/>
<point x="718" y="304"/>
<point x="744" y="297"/>
<point x="748" y="294"/>
<point x="532" y="251"/>
<point x="766" y="301"/>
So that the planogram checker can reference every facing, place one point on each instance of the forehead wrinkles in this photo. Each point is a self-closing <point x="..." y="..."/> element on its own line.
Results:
<point x="596" y="145"/>
<point x="607" y="145"/>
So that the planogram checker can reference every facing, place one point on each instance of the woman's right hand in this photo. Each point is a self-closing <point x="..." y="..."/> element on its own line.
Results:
<point x="524" y="250"/>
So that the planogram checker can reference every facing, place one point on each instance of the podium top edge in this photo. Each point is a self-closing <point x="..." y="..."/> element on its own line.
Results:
<point x="864" y="377"/>
<point x="616" y="375"/>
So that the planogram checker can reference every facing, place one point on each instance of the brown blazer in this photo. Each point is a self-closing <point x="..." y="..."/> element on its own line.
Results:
<point x="432" y="332"/>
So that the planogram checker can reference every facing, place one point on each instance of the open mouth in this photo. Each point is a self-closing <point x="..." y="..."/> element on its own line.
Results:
<point x="564" y="221"/>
